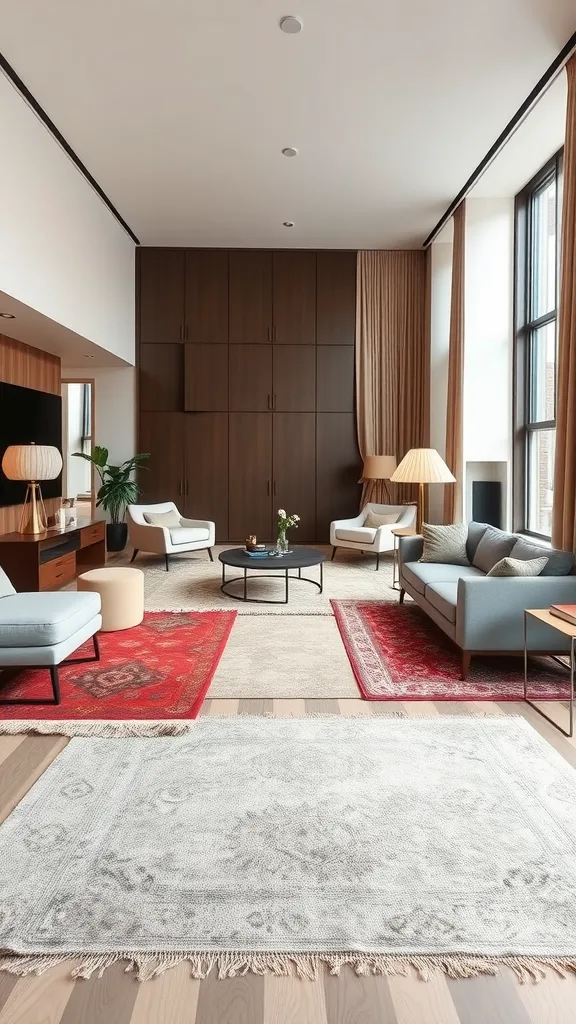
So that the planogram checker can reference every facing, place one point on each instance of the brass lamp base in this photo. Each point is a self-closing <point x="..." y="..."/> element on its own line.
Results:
<point x="420" y="509"/>
<point x="33" y="519"/>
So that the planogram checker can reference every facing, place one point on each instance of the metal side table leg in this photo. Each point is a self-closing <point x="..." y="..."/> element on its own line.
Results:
<point x="565" y="732"/>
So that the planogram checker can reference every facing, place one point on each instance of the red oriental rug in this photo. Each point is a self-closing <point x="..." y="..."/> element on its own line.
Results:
<point x="160" y="669"/>
<point x="397" y="653"/>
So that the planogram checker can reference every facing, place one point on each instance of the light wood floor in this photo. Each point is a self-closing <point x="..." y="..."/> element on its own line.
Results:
<point x="175" y="998"/>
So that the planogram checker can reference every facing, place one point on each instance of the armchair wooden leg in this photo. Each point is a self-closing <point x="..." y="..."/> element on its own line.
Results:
<point x="96" y="643"/>
<point x="333" y="553"/>
<point x="465" y="664"/>
<point x="211" y="555"/>
<point x="134" y="553"/>
<point x="377" y="560"/>
<point x="167" y="563"/>
<point x="401" y="595"/>
<point x="55" y="683"/>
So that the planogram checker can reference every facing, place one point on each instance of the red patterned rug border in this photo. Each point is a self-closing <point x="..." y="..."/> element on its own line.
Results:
<point x="365" y="657"/>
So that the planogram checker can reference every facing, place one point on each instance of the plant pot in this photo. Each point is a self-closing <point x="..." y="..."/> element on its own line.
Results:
<point x="116" y="536"/>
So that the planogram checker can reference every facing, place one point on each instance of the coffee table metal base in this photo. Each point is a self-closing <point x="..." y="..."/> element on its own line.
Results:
<point x="268" y="575"/>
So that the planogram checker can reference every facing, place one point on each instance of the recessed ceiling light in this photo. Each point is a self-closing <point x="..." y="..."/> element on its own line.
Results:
<point x="289" y="151"/>
<point x="291" y="25"/>
<point x="8" y="316"/>
<point x="288" y="223"/>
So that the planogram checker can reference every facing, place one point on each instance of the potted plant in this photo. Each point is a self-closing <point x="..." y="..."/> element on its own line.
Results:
<point x="117" y="490"/>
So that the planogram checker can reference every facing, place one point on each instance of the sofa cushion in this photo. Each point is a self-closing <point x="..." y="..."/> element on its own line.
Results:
<point x="493" y="545"/>
<point x="422" y="574"/>
<point x="41" y="620"/>
<point x="444" y="597"/>
<point x="189" y="534"/>
<point x="166" y="519"/>
<point x="518" y="567"/>
<point x="445" y="544"/>
<point x="560" y="563"/>
<point x="357" y="534"/>
<point x="6" y="587"/>
<point x="373" y="520"/>
<point x="475" y="533"/>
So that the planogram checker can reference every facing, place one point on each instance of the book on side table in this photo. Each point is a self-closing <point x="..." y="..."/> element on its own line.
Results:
<point x="564" y="611"/>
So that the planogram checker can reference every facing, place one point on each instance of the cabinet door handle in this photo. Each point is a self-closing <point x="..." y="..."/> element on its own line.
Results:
<point x="182" y="332"/>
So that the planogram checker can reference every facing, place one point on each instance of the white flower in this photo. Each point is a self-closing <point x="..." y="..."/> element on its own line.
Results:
<point x="282" y="513"/>
<point x="296" y="519"/>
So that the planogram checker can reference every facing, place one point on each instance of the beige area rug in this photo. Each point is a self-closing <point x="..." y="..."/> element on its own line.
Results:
<point x="193" y="584"/>
<point x="276" y="845"/>
<point x="284" y="656"/>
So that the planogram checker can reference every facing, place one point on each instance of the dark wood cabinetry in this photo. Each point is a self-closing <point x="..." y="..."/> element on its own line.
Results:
<point x="246" y="365"/>
<point x="250" y="476"/>
<point x="161" y="296"/>
<point x="294" y="297"/>
<point x="207" y="296"/>
<point x="250" y="293"/>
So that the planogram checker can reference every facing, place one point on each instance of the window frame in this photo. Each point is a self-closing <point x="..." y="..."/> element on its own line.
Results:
<point x="525" y="326"/>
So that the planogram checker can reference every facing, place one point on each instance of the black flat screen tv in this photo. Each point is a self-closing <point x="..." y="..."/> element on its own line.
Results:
<point x="28" y="416"/>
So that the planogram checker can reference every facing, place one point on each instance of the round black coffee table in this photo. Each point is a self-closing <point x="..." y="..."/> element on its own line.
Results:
<point x="274" y="566"/>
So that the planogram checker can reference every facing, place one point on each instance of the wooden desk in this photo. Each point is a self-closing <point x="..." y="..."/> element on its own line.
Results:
<point x="46" y="561"/>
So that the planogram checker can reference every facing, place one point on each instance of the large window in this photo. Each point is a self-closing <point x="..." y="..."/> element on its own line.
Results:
<point x="537" y="264"/>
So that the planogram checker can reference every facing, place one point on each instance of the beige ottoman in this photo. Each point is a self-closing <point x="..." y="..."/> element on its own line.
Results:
<point x="122" y="594"/>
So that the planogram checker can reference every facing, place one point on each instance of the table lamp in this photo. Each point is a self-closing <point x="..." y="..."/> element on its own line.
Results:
<point x="377" y="467"/>
<point x="32" y="463"/>
<point x="422" y="466"/>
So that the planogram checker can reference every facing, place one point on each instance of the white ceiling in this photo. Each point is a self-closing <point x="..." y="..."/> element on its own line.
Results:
<point x="180" y="109"/>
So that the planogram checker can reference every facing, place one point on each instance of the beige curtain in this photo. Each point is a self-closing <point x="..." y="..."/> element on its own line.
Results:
<point x="564" y="507"/>
<point x="454" y="422"/>
<point x="392" y="361"/>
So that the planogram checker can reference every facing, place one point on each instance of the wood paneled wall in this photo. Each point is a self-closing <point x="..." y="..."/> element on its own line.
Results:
<point x="29" y="368"/>
<point x="246" y="393"/>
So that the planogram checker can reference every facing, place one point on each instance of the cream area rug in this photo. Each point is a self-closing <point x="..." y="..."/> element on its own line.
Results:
<point x="274" y="845"/>
<point x="284" y="656"/>
<point x="193" y="584"/>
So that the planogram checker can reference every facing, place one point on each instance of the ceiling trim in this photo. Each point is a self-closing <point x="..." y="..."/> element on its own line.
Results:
<point x="49" y="124"/>
<point x="531" y="100"/>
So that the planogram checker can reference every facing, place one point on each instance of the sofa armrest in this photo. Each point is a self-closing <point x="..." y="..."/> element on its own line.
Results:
<point x="149" y="538"/>
<point x="409" y="548"/>
<point x="490" y="611"/>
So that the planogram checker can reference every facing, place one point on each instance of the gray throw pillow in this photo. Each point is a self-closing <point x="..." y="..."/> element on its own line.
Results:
<point x="560" y="563"/>
<point x="518" y="567"/>
<point x="475" y="533"/>
<point x="445" y="544"/>
<point x="494" y="545"/>
<point x="167" y="519"/>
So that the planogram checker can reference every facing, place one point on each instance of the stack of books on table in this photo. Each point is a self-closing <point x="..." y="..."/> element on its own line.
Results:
<point x="565" y="611"/>
<point x="258" y="554"/>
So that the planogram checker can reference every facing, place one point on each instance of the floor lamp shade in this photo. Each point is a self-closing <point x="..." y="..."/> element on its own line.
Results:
<point x="32" y="463"/>
<point x="378" y="467"/>
<point x="422" y="466"/>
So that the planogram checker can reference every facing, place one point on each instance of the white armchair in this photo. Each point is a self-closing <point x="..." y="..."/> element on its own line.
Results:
<point x="175" y="537"/>
<point x="354" y="534"/>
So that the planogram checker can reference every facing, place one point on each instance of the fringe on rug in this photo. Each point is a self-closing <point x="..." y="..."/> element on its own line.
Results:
<point x="302" y="965"/>
<point x="100" y="729"/>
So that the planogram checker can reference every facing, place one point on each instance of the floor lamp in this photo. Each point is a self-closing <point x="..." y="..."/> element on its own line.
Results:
<point x="32" y="463"/>
<point x="422" y="466"/>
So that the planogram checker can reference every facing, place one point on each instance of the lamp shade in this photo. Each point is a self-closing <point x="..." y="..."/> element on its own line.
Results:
<point x="378" y="467"/>
<point x="31" y="462"/>
<point x="422" y="466"/>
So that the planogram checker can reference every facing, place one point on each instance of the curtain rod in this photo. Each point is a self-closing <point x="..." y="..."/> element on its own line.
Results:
<point x="521" y="114"/>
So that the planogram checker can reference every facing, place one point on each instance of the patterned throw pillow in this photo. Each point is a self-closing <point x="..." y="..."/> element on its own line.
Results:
<point x="167" y="519"/>
<point x="518" y="567"/>
<point x="445" y="544"/>
<point x="373" y="521"/>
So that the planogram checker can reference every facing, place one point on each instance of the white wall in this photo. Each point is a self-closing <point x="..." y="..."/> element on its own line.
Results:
<point x="62" y="251"/>
<point x="441" y="271"/>
<point x="488" y="339"/>
<point x="115" y="402"/>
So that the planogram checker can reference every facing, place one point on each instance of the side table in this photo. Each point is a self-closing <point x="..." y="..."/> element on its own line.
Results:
<point x="545" y="616"/>
<point x="406" y="531"/>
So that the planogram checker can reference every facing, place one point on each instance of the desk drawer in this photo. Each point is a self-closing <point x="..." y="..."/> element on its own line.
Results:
<point x="58" y="572"/>
<point x="92" y="534"/>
